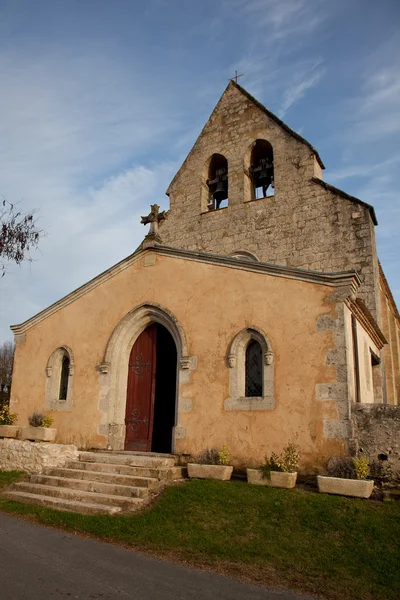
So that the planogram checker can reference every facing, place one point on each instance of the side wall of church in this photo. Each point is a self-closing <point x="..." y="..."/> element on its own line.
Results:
<point x="368" y="392"/>
<point x="391" y="352"/>
<point x="303" y="225"/>
<point x="304" y="325"/>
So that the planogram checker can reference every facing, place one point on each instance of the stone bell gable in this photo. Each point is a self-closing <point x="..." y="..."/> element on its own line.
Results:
<point x="294" y="219"/>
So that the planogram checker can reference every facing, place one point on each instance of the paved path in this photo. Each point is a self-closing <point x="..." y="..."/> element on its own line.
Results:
<point x="37" y="562"/>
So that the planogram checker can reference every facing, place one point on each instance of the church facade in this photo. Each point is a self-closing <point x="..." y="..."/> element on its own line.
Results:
<point x="254" y="314"/>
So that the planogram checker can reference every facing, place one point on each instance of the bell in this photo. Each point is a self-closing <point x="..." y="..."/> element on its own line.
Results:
<point x="264" y="177"/>
<point x="221" y="192"/>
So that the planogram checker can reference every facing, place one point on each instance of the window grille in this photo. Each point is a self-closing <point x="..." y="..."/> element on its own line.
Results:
<point x="64" y="378"/>
<point x="254" y="370"/>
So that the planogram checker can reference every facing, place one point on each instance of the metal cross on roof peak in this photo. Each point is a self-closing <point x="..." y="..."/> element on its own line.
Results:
<point x="236" y="76"/>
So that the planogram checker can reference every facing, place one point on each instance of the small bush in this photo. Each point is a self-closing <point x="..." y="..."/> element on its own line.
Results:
<point x="210" y="456"/>
<point x="361" y="467"/>
<point x="381" y="472"/>
<point x="7" y="418"/>
<point x="224" y="455"/>
<point x="342" y="467"/>
<point x="287" y="462"/>
<point x="47" y="421"/>
<point x="38" y="419"/>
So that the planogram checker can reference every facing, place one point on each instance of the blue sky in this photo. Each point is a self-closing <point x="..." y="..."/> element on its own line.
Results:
<point x="101" y="101"/>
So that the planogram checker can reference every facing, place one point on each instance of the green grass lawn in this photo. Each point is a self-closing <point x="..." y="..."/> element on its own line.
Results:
<point x="337" y="547"/>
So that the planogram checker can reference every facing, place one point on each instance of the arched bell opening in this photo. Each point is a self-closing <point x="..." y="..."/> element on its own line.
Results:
<point x="217" y="182"/>
<point x="151" y="391"/>
<point x="261" y="169"/>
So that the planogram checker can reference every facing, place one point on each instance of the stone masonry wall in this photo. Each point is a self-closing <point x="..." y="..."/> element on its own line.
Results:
<point x="391" y="352"/>
<point x="376" y="430"/>
<point x="303" y="225"/>
<point x="33" y="457"/>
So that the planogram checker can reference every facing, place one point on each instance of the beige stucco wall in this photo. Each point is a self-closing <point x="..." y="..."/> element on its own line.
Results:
<point x="212" y="303"/>
<point x="364" y="344"/>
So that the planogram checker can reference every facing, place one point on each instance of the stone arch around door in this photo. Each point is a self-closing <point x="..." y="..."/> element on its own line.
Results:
<point x="113" y="371"/>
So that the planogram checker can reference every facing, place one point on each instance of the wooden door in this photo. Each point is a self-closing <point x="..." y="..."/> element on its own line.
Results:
<point x="141" y="390"/>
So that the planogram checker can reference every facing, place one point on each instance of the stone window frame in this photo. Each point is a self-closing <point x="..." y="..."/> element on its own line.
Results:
<point x="236" y="361"/>
<point x="53" y="379"/>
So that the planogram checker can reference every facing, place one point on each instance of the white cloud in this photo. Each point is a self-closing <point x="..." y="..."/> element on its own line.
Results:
<point x="367" y="169"/>
<point x="280" y="19"/>
<point x="303" y="81"/>
<point x="71" y="119"/>
<point x="100" y="228"/>
<point x="274" y="59"/>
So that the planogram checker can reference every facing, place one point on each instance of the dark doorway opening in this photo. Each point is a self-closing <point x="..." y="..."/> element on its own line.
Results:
<point x="165" y="392"/>
<point x="151" y="391"/>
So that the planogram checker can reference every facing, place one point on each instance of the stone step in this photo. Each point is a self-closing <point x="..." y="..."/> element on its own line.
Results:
<point x="92" y="486"/>
<point x="103" y="477"/>
<point x="134" y="460"/>
<point x="137" y="453"/>
<point x="124" y="502"/>
<point x="163" y="474"/>
<point x="62" y="504"/>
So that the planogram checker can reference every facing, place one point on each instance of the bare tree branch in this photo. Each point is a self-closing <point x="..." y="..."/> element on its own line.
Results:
<point x="18" y="234"/>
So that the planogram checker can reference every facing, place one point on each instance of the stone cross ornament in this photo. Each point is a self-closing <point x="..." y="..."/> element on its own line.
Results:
<point x="154" y="218"/>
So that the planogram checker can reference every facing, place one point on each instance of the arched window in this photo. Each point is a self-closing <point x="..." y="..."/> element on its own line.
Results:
<point x="217" y="182"/>
<point x="251" y="372"/>
<point x="254" y="370"/>
<point x="59" y="382"/>
<point x="64" y="378"/>
<point x="262" y="169"/>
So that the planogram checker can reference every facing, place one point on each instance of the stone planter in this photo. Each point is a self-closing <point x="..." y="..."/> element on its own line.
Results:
<point x="277" y="478"/>
<point x="256" y="477"/>
<point x="9" y="431"/>
<point x="357" y="488"/>
<point x="221" y="472"/>
<point x="39" y="434"/>
<point x="283" y="480"/>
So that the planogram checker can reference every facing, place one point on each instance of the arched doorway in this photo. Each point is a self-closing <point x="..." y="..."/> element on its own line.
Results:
<point x="151" y="391"/>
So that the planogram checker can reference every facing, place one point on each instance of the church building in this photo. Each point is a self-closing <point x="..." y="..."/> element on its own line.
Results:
<point x="254" y="314"/>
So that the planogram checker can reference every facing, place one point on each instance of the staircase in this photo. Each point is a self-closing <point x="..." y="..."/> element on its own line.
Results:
<point x="100" y="482"/>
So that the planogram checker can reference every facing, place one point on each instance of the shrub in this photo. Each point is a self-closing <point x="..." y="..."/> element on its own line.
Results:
<point x="224" y="455"/>
<point x="291" y="458"/>
<point x="38" y="419"/>
<point x="47" y="421"/>
<point x="342" y="467"/>
<point x="212" y="456"/>
<point x="361" y="467"/>
<point x="381" y="472"/>
<point x="7" y="418"/>
<point x="287" y="462"/>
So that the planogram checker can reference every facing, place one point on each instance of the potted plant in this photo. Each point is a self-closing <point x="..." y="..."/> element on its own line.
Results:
<point x="349" y="485"/>
<point x="212" y="464"/>
<point x="8" y="429"/>
<point x="278" y="470"/>
<point x="39" y="429"/>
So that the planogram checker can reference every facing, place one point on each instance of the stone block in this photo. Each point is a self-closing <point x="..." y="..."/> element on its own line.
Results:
<point x="356" y="488"/>
<point x="221" y="472"/>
